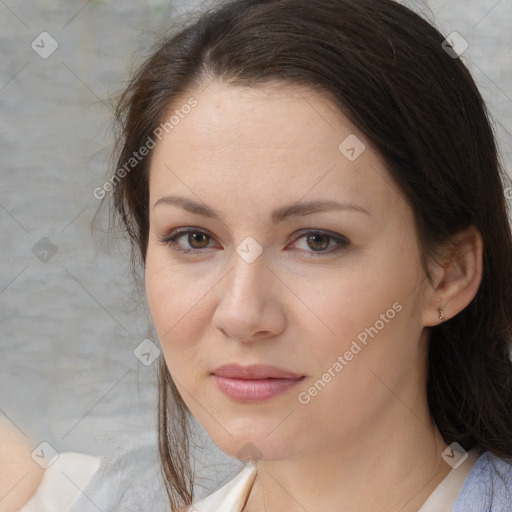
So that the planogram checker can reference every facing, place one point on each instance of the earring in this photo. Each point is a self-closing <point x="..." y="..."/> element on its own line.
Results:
<point x="441" y="314"/>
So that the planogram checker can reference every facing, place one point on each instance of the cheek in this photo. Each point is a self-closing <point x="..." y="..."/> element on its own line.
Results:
<point x="369" y="314"/>
<point x="372" y="352"/>
<point x="164" y="301"/>
<point x="173" y="302"/>
<point x="171" y="292"/>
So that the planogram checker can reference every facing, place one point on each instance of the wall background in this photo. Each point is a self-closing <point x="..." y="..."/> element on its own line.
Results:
<point x="70" y="318"/>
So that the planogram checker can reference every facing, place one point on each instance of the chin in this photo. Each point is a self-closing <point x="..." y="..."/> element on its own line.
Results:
<point x="253" y="447"/>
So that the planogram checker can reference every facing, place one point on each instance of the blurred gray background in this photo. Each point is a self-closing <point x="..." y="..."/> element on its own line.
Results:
<point x="69" y="314"/>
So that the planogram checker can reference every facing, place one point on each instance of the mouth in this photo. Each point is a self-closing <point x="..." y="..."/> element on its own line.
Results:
<point x="254" y="383"/>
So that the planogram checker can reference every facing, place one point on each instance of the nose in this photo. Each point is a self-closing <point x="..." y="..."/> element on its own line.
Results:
<point x="250" y="306"/>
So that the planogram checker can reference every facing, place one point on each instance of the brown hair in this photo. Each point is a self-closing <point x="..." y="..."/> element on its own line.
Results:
<point x="386" y="69"/>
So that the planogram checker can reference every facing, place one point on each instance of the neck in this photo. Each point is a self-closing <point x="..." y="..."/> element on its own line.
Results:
<point x="390" y="464"/>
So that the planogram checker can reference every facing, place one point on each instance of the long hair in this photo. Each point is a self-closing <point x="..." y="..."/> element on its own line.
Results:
<point x="388" y="71"/>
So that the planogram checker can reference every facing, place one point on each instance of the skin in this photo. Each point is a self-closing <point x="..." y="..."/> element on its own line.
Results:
<point x="365" y="442"/>
<point x="20" y="476"/>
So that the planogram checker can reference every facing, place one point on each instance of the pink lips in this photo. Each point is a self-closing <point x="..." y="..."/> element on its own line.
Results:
<point x="254" y="383"/>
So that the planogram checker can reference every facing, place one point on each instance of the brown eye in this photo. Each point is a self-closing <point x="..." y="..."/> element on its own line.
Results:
<point x="318" y="242"/>
<point x="198" y="240"/>
<point x="187" y="241"/>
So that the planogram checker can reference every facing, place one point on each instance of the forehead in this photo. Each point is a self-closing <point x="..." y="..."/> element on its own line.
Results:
<point x="263" y="143"/>
<point x="267" y="118"/>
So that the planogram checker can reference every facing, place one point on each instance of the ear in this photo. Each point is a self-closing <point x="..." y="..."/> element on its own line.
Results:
<point x="457" y="280"/>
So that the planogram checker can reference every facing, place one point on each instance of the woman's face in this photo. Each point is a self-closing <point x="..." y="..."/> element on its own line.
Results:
<point x="332" y="293"/>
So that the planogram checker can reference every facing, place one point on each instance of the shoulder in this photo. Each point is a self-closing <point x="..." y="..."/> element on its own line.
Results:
<point x="491" y="469"/>
<point x="20" y="476"/>
<point x="63" y="482"/>
<point x="488" y="486"/>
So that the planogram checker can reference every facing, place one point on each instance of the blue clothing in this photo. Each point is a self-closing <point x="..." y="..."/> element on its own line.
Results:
<point x="488" y="487"/>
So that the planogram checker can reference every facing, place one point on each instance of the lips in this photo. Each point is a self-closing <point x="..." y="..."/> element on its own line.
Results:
<point x="254" y="383"/>
<point x="254" y="372"/>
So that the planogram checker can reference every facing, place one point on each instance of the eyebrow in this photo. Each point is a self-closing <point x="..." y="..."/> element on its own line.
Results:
<point x="278" y="215"/>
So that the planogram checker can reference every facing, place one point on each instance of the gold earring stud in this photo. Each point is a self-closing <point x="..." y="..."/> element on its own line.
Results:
<point x="441" y="314"/>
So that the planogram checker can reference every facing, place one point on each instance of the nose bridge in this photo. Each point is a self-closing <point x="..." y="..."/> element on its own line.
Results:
<point x="246" y="310"/>
<point x="249" y="267"/>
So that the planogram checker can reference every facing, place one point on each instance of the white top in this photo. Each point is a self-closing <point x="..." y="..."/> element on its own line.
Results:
<point x="67" y="478"/>
<point x="232" y="496"/>
<point x="62" y="483"/>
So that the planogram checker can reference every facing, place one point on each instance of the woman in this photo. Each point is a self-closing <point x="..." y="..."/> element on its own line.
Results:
<point x="314" y="193"/>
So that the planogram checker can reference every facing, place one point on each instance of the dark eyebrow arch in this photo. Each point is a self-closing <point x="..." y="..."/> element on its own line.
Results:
<point x="278" y="215"/>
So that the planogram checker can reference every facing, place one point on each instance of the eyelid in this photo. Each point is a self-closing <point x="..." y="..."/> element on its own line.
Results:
<point x="306" y="231"/>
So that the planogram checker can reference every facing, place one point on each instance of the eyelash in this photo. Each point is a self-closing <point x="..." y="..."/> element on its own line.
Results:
<point x="171" y="241"/>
